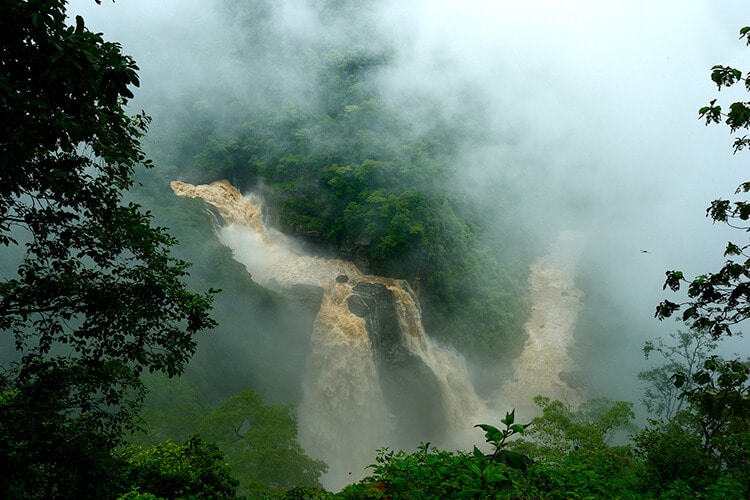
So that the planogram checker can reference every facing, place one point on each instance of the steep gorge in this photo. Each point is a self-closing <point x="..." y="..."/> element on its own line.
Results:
<point x="374" y="377"/>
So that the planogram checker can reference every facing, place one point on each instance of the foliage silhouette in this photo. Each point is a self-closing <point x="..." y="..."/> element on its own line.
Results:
<point x="89" y="293"/>
<point x="718" y="301"/>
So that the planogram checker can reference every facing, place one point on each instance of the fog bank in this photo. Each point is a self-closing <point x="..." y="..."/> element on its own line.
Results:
<point x="583" y="113"/>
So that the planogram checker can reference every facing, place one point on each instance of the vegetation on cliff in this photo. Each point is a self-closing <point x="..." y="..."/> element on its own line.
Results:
<point x="91" y="298"/>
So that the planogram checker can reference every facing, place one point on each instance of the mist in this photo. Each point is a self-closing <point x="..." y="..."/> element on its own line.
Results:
<point x="583" y="119"/>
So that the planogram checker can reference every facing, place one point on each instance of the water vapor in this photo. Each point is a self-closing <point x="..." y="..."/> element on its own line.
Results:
<point x="582" y="118"/>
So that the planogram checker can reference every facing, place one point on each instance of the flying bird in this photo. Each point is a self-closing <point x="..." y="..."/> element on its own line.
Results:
<point x="644" y="251"/>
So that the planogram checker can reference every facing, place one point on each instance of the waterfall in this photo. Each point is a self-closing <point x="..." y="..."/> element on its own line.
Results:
<point x="374" y="378"/>
<point x="343" y="417"/>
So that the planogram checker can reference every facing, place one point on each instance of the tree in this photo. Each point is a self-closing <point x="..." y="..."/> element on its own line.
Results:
<point x="89" y="294"/>
<point x="718" y="301"/>
<point x="260" y="442"/>
<point x="712" y="430"/>
<point x="718" y="394"/>
<point x="561" y="430"/>
<point x="576" y="446"/>
<point x="670" y="452"/>
<point x="688" y="351"/>
<point x="168" y="470"/>
<point x="719" y="397"/>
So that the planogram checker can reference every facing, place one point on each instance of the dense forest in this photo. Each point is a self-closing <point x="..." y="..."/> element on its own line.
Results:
<point x="141" y="361"/>
<point x="354" y="181"/>
<point x="349" y="175"/>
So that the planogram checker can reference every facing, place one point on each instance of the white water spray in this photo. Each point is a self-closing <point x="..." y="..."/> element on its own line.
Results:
<point x="344" y="417"/>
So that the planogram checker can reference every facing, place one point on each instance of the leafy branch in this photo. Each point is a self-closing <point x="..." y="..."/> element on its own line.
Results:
<point x="719" y="301"/>
<point x="498" y="439"/>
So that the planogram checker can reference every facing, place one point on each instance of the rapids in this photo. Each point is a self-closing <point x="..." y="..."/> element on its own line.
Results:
<point x="545" y="359"/>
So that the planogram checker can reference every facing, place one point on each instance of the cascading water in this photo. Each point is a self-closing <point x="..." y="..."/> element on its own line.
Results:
<point x="374" y="378"/>
<point x="556" y="302"/>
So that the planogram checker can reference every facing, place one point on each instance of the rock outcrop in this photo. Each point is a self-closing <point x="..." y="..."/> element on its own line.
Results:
<point x="410" y="388"/>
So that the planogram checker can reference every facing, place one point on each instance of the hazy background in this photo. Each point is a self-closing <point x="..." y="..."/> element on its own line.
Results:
<point x="585" y="112"/>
